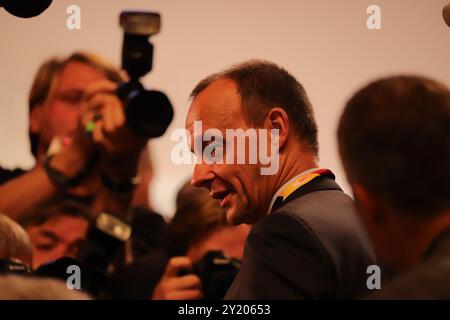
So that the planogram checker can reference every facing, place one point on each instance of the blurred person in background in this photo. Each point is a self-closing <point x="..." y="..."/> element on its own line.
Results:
<point x="66" y="95"/>
<point x="105" y="169"/>
<point x="394" y="142"/>
<point x="56" y="230"/>
<point x="199" y="228"/>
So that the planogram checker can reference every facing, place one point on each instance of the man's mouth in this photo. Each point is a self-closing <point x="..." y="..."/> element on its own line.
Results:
<point x="222" y="197"/>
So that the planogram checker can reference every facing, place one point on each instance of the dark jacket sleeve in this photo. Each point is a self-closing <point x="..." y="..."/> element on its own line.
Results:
<point x="150" y="232"/>
<point x="284" y="260"/>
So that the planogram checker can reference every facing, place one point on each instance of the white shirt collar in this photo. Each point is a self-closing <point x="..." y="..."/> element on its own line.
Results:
<point x="304" y="173"/>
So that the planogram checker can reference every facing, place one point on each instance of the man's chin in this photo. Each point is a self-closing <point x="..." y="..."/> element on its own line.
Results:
<point x="233" y="217"/>
<point x="236" y="217"/>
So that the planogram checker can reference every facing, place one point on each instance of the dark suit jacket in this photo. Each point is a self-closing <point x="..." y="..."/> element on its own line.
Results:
<point x="430" y="279"/>
<point x="313" y="247"/>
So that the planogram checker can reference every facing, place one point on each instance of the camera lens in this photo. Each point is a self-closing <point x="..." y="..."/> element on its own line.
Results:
<point x="148" y="112"/>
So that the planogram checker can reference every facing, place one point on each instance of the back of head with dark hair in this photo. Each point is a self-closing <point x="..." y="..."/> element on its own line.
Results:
<point x="263" y="85"/>
<point x="196" y="217"/>
<point x="394" y="139"/>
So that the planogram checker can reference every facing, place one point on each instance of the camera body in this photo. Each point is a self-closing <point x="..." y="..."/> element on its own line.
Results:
<point x="13" y="266"/>
<point x="216" y="272"/>
<point x="148" y="112"/>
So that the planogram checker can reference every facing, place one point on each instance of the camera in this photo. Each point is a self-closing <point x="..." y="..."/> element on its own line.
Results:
<point x="92" y="281"/>
<point x="148" y="112"/>
<point x="100" y="255"/>
<point x="13" y="266"/>
<point x="216" y="272"/>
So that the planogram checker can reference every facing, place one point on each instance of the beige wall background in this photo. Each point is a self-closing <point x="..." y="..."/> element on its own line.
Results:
<point x="324" y="43"/>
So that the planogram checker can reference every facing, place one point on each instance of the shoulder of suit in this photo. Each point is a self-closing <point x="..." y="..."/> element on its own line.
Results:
<point x="330" y="217"/>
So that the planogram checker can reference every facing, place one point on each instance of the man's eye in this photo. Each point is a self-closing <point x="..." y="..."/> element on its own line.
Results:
<point x="72" y="97"/>
<point x="45" y="246"/>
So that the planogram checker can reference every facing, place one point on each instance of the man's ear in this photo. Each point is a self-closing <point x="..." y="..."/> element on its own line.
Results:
<point x="367" y="204"/>
<point x="277" y="118"/>
<point x="35" y="118"/>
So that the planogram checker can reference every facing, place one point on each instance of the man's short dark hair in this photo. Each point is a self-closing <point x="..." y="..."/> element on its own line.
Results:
<point x="197" y="216"/>
<point x="394" y="139"/>
<point x="47" y="211"/>
<point x="263" y="85"/>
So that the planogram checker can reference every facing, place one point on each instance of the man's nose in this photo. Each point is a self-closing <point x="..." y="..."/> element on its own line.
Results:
<point x="202" y="176"/>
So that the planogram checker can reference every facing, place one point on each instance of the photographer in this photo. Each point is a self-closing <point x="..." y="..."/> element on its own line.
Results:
<point x="67" y="96"/>
<point x="199" y="235"/>
<point x="86" y="153"/>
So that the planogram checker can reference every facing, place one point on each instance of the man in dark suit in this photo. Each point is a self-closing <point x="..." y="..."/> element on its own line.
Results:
<point x="306" y="241"/>
<point x="394" y="141"/>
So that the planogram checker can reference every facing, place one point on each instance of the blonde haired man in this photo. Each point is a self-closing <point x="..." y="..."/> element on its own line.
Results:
<point x="68" y="94"/>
